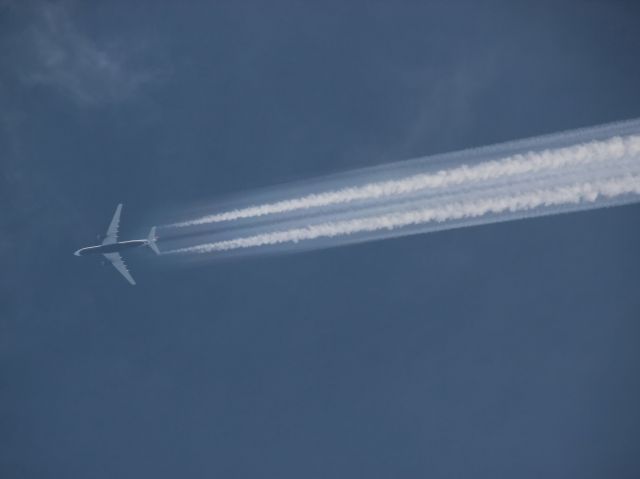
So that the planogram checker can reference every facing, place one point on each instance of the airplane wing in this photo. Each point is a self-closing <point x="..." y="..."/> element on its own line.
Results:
<point x="112" y="232"/>
<point x="116" y="260"/>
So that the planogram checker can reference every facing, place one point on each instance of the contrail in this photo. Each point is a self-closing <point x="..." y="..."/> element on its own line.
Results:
<point x="576" y="194"/>
<point x="519" y="164"/>
<point x="570" y="171"/>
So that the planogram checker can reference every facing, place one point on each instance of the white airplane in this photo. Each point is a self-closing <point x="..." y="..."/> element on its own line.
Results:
<point x="111" y="247"/>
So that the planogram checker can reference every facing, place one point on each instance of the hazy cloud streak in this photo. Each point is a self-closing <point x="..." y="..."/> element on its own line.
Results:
<point x="91" y="71"/>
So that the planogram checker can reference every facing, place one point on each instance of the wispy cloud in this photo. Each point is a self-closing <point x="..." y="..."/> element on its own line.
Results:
<point x="88" y="70"/>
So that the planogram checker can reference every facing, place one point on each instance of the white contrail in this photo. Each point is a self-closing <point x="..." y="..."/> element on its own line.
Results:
<point x="528" y="163"/>
<point x="524" y="202"/>
<point x="546" y="175"/>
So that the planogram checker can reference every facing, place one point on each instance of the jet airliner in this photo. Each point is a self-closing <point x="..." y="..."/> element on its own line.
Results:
<point x="111" y="247"/>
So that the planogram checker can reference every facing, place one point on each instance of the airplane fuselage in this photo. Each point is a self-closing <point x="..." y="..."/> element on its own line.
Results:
<point x="111" y="248"/>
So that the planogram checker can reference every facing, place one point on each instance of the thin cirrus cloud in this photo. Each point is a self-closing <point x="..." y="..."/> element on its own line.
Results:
<point x="88" y="71"/>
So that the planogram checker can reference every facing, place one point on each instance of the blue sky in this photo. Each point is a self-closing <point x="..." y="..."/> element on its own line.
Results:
<point x="496" y="351"/>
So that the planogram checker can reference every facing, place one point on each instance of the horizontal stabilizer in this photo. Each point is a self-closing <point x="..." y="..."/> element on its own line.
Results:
<point x="152" y="238"/>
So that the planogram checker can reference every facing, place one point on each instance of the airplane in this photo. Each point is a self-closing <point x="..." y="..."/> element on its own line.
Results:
<point x="111" y="247"/>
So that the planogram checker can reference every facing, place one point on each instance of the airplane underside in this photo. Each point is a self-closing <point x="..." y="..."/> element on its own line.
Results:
<point x="111" y="247"/>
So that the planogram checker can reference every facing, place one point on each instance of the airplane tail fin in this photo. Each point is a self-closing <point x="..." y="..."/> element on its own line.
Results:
<point x="152" y="238"/>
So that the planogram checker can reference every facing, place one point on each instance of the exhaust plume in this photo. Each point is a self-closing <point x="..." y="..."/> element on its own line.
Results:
<point x="571" y="171"/>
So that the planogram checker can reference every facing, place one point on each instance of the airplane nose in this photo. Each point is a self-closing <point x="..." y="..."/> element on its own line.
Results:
<point x="77" y="253"/>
